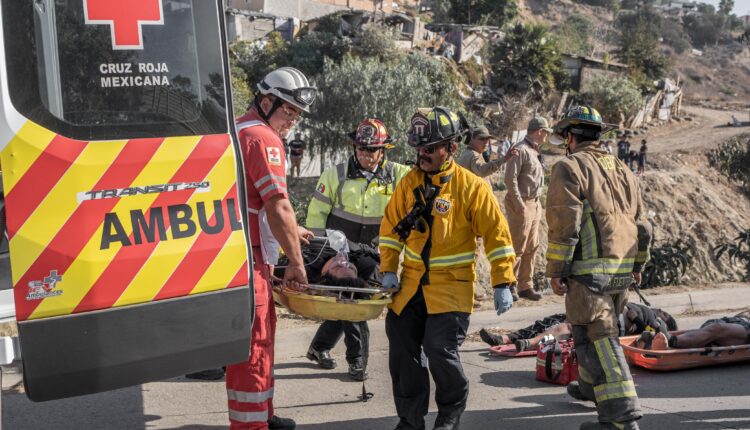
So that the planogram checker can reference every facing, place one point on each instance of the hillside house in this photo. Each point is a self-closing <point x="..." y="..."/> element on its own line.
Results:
<point x="305" y="10"/>
<point x="583" y="70"/>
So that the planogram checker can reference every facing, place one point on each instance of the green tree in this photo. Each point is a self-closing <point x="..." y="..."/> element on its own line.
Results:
<point x="360" y="87"/>
<point x="527" y="61"/>
<point x="241" y="94"/>
<point x="726" y="6"/>
<point x="258" y="58"/>
<point x="673" y="33"/>
<point x="705" y="27"/>
<point x="616" y="98"/>
<point x="638" y="44"/>
<point x="484" y="12"/>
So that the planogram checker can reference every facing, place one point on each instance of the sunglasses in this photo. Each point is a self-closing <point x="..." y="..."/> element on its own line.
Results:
<point x="370" y="150"/>
<point x="430" y="149"/>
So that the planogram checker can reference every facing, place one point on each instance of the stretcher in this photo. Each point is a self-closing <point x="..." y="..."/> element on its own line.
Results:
<point x="332" y="303"/>
<point x="678" y="359"/>
<point x="510" y="351"/>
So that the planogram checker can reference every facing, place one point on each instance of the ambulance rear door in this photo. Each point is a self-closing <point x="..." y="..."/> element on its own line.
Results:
<point x="128" y="255"/>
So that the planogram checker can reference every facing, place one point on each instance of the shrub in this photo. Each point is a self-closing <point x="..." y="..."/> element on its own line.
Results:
<point x="738" y="251"/>
<point x="614" y="97"/>
<point x="494" y="12"/>
<point x="667" y="265"/>
<point x="575" y="35"/>
<point x="732" y="158"/>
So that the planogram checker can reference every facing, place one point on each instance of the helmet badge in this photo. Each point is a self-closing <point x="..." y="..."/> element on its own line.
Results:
<point x="421" y="126"/>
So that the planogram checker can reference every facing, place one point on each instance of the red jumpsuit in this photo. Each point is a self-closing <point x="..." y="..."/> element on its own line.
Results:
<point x="250" y="384"/>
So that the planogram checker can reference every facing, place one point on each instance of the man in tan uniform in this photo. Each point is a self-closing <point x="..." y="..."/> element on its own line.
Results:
<point x="524" y="178"/>
<point x="472" y="158"/>
<point x="598" y="244"/>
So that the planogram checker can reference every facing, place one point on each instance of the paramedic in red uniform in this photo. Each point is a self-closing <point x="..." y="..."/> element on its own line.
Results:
<point x="282" y="97"/>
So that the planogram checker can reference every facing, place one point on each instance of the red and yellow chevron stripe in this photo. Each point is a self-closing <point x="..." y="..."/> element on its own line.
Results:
<point x="191" y="242"/>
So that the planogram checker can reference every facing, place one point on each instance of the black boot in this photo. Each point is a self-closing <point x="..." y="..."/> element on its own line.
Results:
<point x="278" y="423"/>
<point x="323" y="358"/>
<point x="207" y="375"/>
<point x="446" y="423"/>
<point x="489" y="338"/>
<point x="574" y="391"/>
<point x="596" y="425"/>
<point x="357" y="371"/>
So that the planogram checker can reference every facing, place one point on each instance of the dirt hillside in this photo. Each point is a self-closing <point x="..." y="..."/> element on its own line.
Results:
<point x="685" y="197"/>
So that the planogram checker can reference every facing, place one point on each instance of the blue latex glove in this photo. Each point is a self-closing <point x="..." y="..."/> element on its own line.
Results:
<point x="390" y="280"/>
<point x="503" y="299"/>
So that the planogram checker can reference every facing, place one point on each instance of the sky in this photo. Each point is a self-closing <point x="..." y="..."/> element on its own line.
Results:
<point x="741" y="7"/>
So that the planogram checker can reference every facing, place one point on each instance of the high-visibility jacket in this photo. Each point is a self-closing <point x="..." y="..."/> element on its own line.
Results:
<point x="346" y="200"/>
<point x="597" y="233"/>
<point x="441" y="259"/>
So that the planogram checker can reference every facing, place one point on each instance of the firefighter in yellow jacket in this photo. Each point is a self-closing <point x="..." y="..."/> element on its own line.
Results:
<point x="434" y="217"/>
<point x="351" y="198"/>
<point x="598" y="245"/>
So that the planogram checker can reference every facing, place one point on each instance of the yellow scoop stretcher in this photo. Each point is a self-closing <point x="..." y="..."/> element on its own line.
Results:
<point x="333" y="303"/>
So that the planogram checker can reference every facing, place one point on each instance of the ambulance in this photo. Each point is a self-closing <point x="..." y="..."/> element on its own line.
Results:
<point x="125" y="216"/>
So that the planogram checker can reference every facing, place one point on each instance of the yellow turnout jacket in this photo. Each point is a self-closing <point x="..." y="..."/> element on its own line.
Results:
<point x="441" y="259"/>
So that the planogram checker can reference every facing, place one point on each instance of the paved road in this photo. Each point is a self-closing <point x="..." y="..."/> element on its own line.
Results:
<point x="503" y="394"/>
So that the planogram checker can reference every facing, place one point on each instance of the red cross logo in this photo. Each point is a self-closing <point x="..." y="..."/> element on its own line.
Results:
<point x="125" y="19"/>
<point x="274" y="152"/>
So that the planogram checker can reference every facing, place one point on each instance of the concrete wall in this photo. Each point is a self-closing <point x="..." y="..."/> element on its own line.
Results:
<point x="307" y="9"/>
<point x="242" y="28"/>
<point x="252" y="5"/>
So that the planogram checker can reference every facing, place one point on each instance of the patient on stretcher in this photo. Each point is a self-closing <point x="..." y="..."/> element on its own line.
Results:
<point x="727" y="331"/>
<point x="326" y="266"/>
<point x="636" y="319"/>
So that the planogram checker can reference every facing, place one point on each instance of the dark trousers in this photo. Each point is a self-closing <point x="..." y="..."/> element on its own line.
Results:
<point x="356" y="337"/>
<point x="418" y="340"/>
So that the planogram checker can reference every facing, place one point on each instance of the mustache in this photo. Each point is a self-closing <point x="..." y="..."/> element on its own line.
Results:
<point x="424" y="158"/>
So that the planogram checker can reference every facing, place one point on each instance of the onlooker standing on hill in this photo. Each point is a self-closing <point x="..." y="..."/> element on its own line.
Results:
<point x="632" y="160"/>
<point x="642" y="157"/>
<point x="296" y="151"/>
<point x="503" y="146"/>
<point x="472" y="159"/>
<point x="623" y="148"/>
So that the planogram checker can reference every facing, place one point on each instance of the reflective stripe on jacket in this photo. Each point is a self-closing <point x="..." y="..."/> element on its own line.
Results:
<point x="464" y="209"/>
<point x="594" y="212"/>
<point x="346" y="200"/>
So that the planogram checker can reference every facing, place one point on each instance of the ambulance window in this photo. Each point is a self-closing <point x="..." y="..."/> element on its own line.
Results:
<point x="101" y="69"/>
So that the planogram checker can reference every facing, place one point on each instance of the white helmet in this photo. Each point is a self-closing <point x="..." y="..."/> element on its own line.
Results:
<point x="289" y="85"/>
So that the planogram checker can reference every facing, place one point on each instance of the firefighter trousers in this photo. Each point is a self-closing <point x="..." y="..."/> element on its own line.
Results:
<point x="356" y="338"/>
<point x="417" y="340"/>
<point x="250" y="383"/>
<point x="524" y="231"/>
<point x="604" y="375"/>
